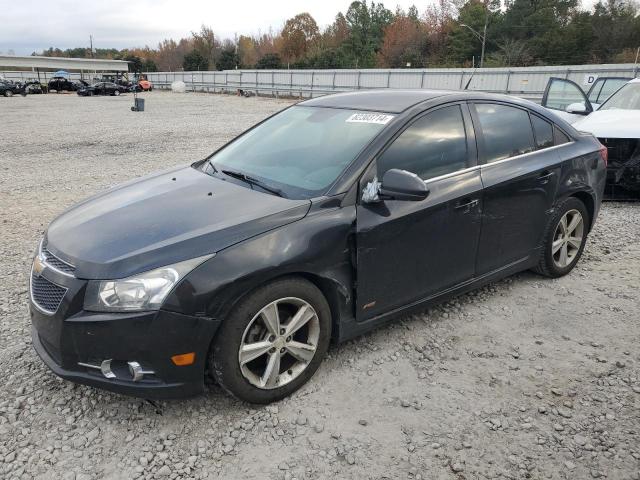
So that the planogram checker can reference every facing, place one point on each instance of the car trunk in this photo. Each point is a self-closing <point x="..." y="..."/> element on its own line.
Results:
<point x="623" y="172"/>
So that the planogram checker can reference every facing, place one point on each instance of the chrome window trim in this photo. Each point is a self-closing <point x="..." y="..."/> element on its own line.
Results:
<point x="452" y="174"/>
<point x="523" y="155"/>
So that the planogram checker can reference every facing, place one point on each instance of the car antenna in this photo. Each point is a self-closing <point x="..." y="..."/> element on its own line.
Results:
<point x="466" y="87"/>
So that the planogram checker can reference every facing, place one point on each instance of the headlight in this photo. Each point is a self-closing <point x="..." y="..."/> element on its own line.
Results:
<point x="145" y="291"/>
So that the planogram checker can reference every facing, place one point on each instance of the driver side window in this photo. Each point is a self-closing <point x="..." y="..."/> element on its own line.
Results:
<point x="434" y="145"/>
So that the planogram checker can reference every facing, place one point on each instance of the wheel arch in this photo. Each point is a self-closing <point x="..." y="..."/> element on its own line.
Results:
<point x="337" y="295"/>
<point x="587" y="199"/>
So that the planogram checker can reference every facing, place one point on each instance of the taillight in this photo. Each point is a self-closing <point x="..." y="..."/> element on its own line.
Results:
<point x="604" y="153"/>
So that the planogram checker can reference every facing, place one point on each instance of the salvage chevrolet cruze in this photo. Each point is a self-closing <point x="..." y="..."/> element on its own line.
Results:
<point x="318" y="224"/>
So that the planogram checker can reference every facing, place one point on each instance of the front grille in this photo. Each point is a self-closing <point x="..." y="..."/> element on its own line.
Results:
<point x="46" y="295"/>
<point x="56" y="263"/>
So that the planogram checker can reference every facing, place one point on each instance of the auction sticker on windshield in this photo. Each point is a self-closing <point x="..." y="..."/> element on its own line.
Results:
<point x="378" y="118"/>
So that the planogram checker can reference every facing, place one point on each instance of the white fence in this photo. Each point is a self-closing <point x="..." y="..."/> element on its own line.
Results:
<point x="528" y="82"/>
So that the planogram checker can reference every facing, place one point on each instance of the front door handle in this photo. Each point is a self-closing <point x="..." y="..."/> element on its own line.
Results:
<point x="466" y="204"/>
<point x="545" y="176"/>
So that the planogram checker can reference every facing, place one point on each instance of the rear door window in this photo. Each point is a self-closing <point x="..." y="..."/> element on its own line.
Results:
<point x="506" y="131"/>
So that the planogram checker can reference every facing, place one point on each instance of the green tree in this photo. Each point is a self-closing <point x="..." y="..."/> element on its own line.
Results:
<point x="194" y="61"/>
<point x="270" y="61"/>
<point x="228" y="59"/>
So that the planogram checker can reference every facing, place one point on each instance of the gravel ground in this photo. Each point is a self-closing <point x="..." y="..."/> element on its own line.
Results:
<point x="526" y="378"/>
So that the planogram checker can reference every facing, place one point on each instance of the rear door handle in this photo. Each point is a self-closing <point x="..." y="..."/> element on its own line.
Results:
<point x="467" y="204"/>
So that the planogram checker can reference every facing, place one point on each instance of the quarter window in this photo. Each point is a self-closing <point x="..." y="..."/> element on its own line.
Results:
<point x="506" y="131"/>
<point x="560" y="136"/>
<point x="434" y="145"/>
<point x="543" y="131"/>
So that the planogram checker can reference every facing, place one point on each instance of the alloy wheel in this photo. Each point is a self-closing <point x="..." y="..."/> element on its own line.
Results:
<point x="279" y="343"/>
<point x="567" y="238"/>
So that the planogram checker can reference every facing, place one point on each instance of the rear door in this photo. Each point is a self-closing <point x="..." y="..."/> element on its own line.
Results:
<point x="410" y="250"/>
<point x="566" y="98"/>
<point x="520" y="174"/>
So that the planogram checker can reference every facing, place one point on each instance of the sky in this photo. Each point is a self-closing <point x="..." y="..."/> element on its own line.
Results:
<point x="34" y="25"/>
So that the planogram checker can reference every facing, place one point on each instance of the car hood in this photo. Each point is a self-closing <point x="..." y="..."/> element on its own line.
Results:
<point x="163" y="219"/>
<point x="611" y="123"/>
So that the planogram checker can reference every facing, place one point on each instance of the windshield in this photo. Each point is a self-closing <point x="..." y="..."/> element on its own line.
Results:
<point x="627" y="98"/>
<point x="302" y="150"/>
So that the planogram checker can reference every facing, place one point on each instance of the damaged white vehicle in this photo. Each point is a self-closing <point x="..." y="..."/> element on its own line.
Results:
<point x="615" y="122"/>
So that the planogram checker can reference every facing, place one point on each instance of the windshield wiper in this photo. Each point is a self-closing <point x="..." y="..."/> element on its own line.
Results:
<point x="253" y="181"/>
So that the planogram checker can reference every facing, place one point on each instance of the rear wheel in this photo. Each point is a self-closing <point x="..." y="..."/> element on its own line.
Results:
<point x="116" y="93"/>
<point x="8" y="93"/>
<point x="273" y="342"/>
<point x="565" y="239"/>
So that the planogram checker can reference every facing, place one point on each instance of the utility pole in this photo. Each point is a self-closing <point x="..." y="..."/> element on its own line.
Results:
<point x="91" y="44"/>
<point x="480" y="36"/>
<point x="484" y="35"/>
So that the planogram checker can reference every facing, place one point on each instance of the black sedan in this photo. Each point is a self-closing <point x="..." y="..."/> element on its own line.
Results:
<point x="326" y="220"/>
<point x="8" y="88"/>
<point x="102" y="88"/>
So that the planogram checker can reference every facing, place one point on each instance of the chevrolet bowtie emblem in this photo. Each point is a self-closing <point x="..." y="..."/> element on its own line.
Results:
<point x="38" y="266"/>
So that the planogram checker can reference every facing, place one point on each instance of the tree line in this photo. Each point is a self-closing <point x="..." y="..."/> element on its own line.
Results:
<point x="445" y="34"/>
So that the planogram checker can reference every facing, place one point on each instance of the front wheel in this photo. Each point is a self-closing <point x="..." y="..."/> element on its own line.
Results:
<point x="273" y="342"/>
<point x="565" y="239"/>
<point x="8" y="93"/>
<point x="116" y="93"/>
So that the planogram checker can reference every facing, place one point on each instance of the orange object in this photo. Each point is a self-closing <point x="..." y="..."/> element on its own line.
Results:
<point x="184" y="359"/>
<point x="145" y="85"/>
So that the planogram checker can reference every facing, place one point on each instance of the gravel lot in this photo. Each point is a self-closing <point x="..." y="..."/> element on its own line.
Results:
<point x="527" y="378"/>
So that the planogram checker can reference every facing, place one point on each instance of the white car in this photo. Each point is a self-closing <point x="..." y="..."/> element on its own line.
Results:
<point x="615" y="122"/>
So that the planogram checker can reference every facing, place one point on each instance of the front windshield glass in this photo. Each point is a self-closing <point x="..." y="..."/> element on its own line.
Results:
<point x="627" y="98"/>
<point x="302" y="150"/>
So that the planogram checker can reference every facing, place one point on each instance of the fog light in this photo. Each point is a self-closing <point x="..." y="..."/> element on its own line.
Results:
<point x="184" y="359"/>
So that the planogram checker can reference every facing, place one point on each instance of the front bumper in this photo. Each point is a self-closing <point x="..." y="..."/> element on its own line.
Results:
<point x="71" y="338"/>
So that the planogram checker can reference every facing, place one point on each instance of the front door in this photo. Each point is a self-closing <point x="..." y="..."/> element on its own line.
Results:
<point x="408" y="251"/>
<point x="566" y="99"/>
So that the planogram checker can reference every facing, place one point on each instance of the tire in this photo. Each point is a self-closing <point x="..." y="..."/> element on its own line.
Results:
<point x="117" y="93"/>
<point x="8" y="93"/>
<point x="247" y="325"/>
<point x="560" y="252"/>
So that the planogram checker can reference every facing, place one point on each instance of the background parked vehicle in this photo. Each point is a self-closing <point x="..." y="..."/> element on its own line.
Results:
<point x="615" y="122"/>
<point x="102" y="88"/>
<point x="33" y="87"/>
<point x="143" y="84"/>
<point x="8" y="88"/>
<point x="63" y="84"/>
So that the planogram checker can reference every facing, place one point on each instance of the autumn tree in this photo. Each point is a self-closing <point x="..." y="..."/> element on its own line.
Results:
<point x="298" y="37"/>
<point x="247" y="51"/>
<point x="404" y="43"/>
<point x="206" y="43"/>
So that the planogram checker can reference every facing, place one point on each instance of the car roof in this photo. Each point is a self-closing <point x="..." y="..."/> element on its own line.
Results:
<point x="382" y="100"/>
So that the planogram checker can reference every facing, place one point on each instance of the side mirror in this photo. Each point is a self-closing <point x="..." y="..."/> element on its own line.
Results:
<point x="402" y="185"/>
<point x="577" y="108"/>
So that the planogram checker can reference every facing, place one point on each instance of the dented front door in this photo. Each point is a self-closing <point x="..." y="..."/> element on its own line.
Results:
<point x="408" y="251"/>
